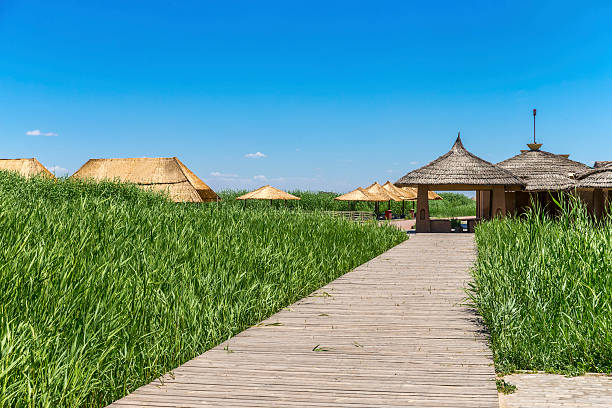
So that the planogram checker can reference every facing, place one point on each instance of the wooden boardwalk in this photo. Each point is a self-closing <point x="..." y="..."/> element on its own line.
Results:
<point x="391" y="333"/>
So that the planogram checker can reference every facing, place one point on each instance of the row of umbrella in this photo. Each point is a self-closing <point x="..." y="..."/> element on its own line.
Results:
<point x="374" y="193"/>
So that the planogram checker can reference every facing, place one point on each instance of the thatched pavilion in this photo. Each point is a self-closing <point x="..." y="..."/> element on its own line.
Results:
<point x="458" y="170"/>
<point x="166" y="174"/>
<point x="25" y="167"/>
<point x="598" y="182"/>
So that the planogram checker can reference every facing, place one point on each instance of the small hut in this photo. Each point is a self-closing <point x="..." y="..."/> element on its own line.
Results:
<point x="25" y="167"/>
<point x="267" y="192"/>
<point x="541" y="173"/>
<point x="458" y="170"/>
<point x="166" y="174"/>
<point x="598" y="182"/>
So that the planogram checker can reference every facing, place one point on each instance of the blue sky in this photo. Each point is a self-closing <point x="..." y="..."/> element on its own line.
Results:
<point x="333" y="94"/>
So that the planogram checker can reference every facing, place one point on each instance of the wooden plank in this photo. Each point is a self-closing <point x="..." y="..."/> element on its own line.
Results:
<point x="395" y="332"/>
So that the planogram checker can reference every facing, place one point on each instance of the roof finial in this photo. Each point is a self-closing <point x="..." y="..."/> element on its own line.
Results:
<point x="534" y="145"/>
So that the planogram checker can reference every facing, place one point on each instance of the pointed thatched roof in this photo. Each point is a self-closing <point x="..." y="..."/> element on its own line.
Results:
<point x="600" y="177"/>
<point x="359" y="194"/>
<point x="167" y="174"/>
<point x="404" y="194"/>
<point x="544" y="171"/>
<point x="378" y="191"/>
<point x="461" y="168"/>
<point x="25" y="167"/>
<point x="267" y="193"/>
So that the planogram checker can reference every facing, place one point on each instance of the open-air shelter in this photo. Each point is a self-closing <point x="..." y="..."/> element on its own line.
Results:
<point x="25" y="167"/>
<point x="598" y="182"/>
<point x="458" y="170"/>
<point x="267" y="192"/>
<point x="165" y="174"/>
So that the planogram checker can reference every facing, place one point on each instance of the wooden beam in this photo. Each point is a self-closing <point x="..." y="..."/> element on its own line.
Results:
<point x="499" y="202"/>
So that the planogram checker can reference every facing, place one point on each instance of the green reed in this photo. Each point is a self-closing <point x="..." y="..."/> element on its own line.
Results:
<point x="104" y="287"/>
<point x="544" y="288"/>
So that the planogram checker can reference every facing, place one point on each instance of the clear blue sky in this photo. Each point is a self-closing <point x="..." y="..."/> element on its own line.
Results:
<point x="334" y="94"/>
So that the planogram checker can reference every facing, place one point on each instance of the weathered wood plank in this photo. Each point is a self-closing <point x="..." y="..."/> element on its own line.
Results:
<point x="394" y="332"/>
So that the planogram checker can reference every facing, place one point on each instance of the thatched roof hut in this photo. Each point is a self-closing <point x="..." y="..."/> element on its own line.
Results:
<point x="267" y="193"/>
<point x="459" y="170"/>
<point x="599" y="177"/>
<point x="359" y="194"/>
<point x="544" y="171"/>
<point x="603" y="163"/>
<point x="25" y="167"/>
<point x="167" y="174"/>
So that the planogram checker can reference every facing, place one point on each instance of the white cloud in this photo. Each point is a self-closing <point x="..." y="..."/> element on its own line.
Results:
<point x="258" y="155"/>
<point x="414" y="163"/>
<point x="58" y="171"/>
<point x="260" y="177"/>
<point x="37" y="132"/>
<point x="223" y="175"/>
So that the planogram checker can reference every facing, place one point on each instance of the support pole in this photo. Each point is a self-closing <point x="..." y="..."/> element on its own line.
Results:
<point x="423" y="223"/>
<point x="499" y="202"/>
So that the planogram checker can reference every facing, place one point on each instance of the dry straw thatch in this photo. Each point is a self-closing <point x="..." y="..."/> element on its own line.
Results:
<point x="599" y="177"/>
<point x="544" y="171"/>
<point x="431" y="195"/>
<point x="404" y="194"/>
<point x="166" y="174"/>
<point x="359" y="194"/>
<point x="267" y="193"/>
<point x="459" y="167"/>
<point x="603" y="163"/>
<point x="377" y="191"/>
<point x="25" y="167"/>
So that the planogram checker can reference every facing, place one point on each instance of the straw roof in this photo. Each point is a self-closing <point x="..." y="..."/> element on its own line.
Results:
<point x="603" y="163"/>
<point x="431" y="195"/>
<point x="25" y="167"/>
<point x="458" y="167"/>
<point x="600" y="177"/>
<point x="404" y="194"/>
<point x="357" y="195"/>
<point x="377" y="191"/>
<point x="544" y="171"/>
<point x="267" y="193"/>
<point x="166" y="174"/>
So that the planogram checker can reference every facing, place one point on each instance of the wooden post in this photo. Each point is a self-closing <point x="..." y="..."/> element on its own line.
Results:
<point x="499" y="202"/>
<point x="606" y="200"/>
<point x="403" y="209"/>
<point x="598" y="203"/>
<point x="422" y="215"/>
<point x="478" y="205"/>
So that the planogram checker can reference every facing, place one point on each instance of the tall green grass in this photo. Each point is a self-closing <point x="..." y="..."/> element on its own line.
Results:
<point x="104" y="287"/>
<point x="544" y="288"/>
<point x="452" y="205"/>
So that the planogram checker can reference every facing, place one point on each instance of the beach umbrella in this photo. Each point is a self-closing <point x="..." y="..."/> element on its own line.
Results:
<point x="267" y="192"/>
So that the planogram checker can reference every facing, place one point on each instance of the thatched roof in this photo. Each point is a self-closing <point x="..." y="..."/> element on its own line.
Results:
<point x="458" y="167"/>
<point x="25" y="167"/>
<point x="376" y="190"/>
<point x="431" y="195"/>
<point x="544" y="171"/>
<point x="358" y="194"/>
<point x="600" y="177"/>
<point x="404" y="194"/>
<point x="267" y="193"/>
<point x="603" y="163"/>
<point x="167" y="174"/>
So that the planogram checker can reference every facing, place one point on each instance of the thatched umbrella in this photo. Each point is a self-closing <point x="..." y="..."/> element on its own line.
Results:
<point x="166" y="174"/>
<point x="25" y="167"/>
<point x="431" y="195"/>
<point x="458" y="170"/>
<point x="359" y="194"/>
<point x="378" y="191"/>
<point x="405" y="195"/>
<point x="267" y="192"/>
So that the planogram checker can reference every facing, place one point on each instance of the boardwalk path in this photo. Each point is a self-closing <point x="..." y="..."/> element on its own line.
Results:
<point x="391" y="333"/>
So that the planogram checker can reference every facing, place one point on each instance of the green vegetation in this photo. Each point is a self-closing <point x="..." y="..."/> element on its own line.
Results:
<point x="104" y="287"/>
<point x="453" y="204"/>
<point x="544" y="289"/>
<point x="504" y="387"/>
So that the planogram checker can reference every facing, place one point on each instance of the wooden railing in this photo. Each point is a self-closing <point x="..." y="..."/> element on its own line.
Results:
<point x="357" y="216"/>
